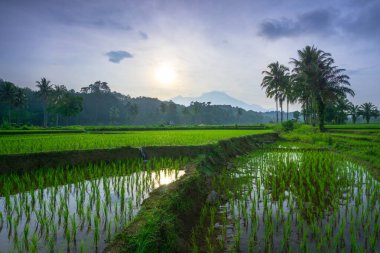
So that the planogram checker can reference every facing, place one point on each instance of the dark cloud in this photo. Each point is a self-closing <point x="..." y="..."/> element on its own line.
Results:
<point x="117" y="56"/>
<point x="364" y="23"/>
<point x="143" y="35"/>
<point x="318" y="21"/>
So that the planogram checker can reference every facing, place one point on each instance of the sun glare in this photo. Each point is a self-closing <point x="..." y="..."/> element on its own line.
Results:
<point x="165" y="74"/>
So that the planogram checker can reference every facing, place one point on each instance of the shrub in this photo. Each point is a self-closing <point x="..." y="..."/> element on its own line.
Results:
<point x="288" y="125"/>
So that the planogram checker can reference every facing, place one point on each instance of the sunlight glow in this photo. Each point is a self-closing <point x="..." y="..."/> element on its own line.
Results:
<point x="165" y="74"/>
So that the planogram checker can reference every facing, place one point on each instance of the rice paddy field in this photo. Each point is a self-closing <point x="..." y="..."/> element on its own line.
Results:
<point x="80" y="208"/>
<point x="34" y="143"/>
<point x="307" y="192"/>
<point x="291" y="201"/>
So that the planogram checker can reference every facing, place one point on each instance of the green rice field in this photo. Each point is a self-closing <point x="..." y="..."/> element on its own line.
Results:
<point x="293" y="201"/>
<point x="34" y="143"/>
<point x="80" y="208"/>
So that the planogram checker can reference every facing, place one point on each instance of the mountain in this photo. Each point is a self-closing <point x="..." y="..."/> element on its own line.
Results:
<point x="218" y="98"/>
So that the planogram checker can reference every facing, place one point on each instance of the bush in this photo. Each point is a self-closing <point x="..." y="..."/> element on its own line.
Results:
<point x="288" y="126"/>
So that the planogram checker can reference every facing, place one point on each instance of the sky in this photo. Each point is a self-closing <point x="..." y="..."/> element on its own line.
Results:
<point x="167" y="48"/>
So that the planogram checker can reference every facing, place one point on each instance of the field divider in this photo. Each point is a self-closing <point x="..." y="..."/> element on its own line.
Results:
<point x="167" y="217"/>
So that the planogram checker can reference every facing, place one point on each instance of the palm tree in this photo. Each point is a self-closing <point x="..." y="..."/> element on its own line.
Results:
<point x="353" y="110"/>
<point x="45" y="90"/>
<point x="325" y="82"/>
<point x="7" y="95"/>
<point x="274" y="81"/>
<point x="368" y="110"/>
<point x="56" y="98"/>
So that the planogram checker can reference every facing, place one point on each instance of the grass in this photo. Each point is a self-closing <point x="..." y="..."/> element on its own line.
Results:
<point x="354" y="126"/>
<point x="34" y="143"/>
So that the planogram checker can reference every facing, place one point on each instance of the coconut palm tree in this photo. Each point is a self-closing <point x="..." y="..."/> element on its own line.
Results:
<point x="368" y="110"/>
<point x="274" y="80"/>
<point x="353" y="110"/>
<point x="56" y="98"/>
<point x="44" y="92"/>
<point x="324" y="81"/>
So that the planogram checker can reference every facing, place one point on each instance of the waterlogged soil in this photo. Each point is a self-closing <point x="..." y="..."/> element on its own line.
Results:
<point x="297" y="201"/>
<point x="82" y="216"/>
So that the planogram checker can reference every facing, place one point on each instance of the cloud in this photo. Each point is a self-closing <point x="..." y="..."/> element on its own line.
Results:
<point x="365" y="22"/>
<point x="118" y="56"/>
<point x="313" y="22"/>
<point x="143" y="35"/>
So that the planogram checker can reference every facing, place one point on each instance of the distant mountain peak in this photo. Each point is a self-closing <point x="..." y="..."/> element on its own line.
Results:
<point x="218" y="98"/>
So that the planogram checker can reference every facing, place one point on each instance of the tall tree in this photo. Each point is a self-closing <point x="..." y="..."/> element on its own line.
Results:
<point x="56" y="100"/>
<point x="7" y="95"/>
<point x="97" y="89"/>
<point x="273" y="82"/>
<point x="368" y="110"/>
<point x="44" y="92"/>
<point x="353" y="111"/>
<point x="70" y="105"/>
<point x="326" y="82"/>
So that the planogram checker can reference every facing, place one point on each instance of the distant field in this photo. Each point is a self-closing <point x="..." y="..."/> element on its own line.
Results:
<point x="33" y="143"/>
<point x="83" y="129"/>
<point x="354" y="126"/>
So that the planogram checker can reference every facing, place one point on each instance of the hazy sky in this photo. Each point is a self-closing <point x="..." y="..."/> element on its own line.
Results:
<point x="207" y="45"/>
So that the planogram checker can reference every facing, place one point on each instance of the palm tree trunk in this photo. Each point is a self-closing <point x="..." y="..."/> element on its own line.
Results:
<point x="9" y="114"/>
<point x="281" y="109"/>
<point x="276" y="110"/>
<point x="287" y="109"/>
<point x="45" y="117"/>
<point x="321" y="114"/>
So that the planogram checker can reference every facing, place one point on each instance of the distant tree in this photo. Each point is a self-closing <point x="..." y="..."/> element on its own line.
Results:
<point x="55" y="101"/>
<point x="368" y="110"/>
<point x="97" y="89"/>
<point x="296" y="115"/>
<point x="274" y="81"/>
<point x="70" y="105"/>
<point x="239" y="112"/>
<point x="44" y="92"/>
<point x="133" y="111"/>
<point x="163" y="107"/>
<point x="7" y="95"/>
<point x="114" y="114"/>
<point x="353" y="110"/>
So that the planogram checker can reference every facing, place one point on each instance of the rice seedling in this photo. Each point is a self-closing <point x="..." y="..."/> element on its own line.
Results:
<point x="62" y="206"/>
<point x="34" y="143"/>
<point x="302" y="201"/>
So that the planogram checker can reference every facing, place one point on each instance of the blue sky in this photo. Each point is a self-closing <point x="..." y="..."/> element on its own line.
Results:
<point x="210" y="45"/>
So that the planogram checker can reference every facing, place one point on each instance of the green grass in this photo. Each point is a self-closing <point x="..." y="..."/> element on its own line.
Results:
<point x="354" y="126"/>
<point x="33" y="143"/>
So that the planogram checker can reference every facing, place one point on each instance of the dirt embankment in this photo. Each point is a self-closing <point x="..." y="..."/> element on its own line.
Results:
<point x="167" y="217"/>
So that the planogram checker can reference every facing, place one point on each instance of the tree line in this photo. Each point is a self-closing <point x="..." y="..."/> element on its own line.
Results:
<point x="318" y="85"/>
<point x="96" y="104"/>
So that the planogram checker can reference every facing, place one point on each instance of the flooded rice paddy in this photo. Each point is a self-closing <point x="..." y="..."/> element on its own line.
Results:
<point x="77" y="209"/>
<point x="281" y="201"/>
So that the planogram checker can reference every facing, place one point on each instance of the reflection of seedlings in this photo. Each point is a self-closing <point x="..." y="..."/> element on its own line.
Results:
<point x="314" y="198"/>
<point x="63" y="205"/>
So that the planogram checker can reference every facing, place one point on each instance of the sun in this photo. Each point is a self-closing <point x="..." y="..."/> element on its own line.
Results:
<point x="165" y="74"/>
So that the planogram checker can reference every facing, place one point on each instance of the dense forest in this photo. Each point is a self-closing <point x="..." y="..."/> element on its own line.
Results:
<point x="96" y="104"/>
